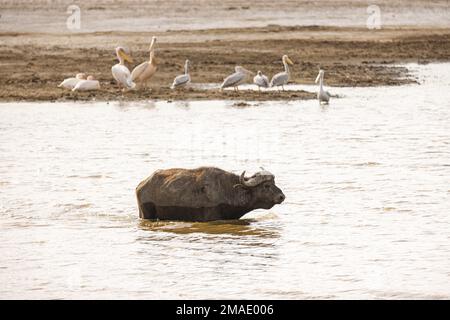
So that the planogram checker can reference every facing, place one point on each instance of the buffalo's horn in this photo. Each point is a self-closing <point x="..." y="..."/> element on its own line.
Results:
<point x="246" y="182"/>
<point x="252" y="182"/>
<point x="255" y="180"/>
<point x="249" y="182"/>
<point x="242" y="178"/>
<point x="258" y="178"/>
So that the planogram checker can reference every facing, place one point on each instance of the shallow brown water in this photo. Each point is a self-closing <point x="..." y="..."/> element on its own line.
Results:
<point x="366" y="214"/>
<point x="138" y="15"/>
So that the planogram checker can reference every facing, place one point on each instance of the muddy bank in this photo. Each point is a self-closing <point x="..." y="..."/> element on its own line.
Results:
<point x="32" y="65"/>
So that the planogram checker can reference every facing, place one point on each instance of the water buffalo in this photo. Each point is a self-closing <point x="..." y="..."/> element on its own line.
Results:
<point x="205" y="194"/>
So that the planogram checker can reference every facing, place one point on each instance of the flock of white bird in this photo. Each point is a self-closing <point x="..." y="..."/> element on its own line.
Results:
<point x="141" y="74"/>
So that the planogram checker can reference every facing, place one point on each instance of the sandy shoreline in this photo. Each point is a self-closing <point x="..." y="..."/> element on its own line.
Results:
<point x="37" y="49"/>
<point x="33" y="64"/>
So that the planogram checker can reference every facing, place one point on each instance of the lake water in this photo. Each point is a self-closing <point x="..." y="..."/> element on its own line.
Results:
<point x="366" y="179"/>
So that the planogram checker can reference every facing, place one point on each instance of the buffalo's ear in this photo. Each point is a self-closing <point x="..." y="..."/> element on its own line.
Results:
<point x="205" y="188"/>
<point x="243" y="195"/>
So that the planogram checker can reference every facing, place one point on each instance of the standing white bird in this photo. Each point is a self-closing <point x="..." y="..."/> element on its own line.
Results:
<point x="322" y="95"/>
<point x="183" y="79"/>
<point x="143" y="72"/>
<point x="120" y="71"/>
<point x="70" y="83"/>
<point x="240" y="76"/>
<point x="261" y="80"/>
<point x="282" y="78"/>
<point x="87" y="85"/>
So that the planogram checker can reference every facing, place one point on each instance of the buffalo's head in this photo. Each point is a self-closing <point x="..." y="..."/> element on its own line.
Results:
<point x="261" y="187"/>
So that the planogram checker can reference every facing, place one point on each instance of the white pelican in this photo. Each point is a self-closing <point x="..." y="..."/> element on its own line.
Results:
<point x="86" y="85"/>
<point x="322" y="95"/>
<point x="183" y="79"/>
<point x="238" y="77"/>
<point x="70" y="83"/>
<point x="261" y="80"/>
<point x="143" y="72"/>
<point x="120" y="71"/>
<point x="282" y="78"/>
